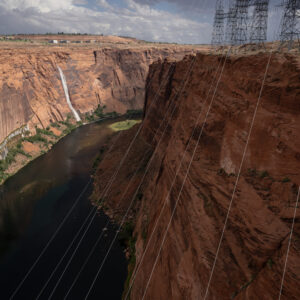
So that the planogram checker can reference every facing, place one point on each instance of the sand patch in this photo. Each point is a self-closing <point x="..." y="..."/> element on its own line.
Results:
<point x="55" y="131"/>
<point x="30" y="148"/>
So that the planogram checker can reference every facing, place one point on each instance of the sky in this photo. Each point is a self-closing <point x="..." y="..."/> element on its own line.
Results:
<point x="180" y="21"/>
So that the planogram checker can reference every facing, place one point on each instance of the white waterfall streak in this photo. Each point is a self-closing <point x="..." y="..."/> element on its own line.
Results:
<point x="65" y="86"/>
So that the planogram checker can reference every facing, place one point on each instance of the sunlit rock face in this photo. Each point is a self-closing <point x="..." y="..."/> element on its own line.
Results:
<point x="31" y="92"/>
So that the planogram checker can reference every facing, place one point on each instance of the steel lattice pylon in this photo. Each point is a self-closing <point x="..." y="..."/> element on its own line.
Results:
<point x="259" y="23"/>
<point x="231" y="23"/>
<point x="240" y="34"/>
<point x="290" y="23"/>
<point x="218" y="29"/>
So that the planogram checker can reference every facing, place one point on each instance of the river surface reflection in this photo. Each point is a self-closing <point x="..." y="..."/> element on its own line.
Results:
<point x="33" y="204"/>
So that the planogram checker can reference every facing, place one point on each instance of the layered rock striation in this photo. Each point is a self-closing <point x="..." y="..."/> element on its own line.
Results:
<point x="251" y="259"/>
<point x="31" y="92"/>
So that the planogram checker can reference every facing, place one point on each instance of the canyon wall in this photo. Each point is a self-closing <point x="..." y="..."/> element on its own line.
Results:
<point x="31" y="91"/>
<point x="251" y="260"/>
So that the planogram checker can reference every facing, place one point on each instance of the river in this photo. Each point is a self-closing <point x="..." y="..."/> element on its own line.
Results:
<point x="33" y="204"/>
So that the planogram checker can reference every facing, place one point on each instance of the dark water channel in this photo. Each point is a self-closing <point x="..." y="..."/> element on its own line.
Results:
<point x="33" y="204"/>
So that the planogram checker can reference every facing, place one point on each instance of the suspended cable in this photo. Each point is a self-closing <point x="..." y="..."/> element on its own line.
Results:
<point x="165" y="202"/>
<point x="238" y="176"/>
<point x="184" y="180"/>
<point x="289" y="244"/>
<point x="104" y="194"/>
<point x="128" y="209"/>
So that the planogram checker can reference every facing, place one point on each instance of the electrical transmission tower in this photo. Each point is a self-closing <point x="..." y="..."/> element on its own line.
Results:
<point x="231" y="23"/>
<point x="240" y="34"/>
<point x="290" y="23"/>
<point x="259" y="23"/>
<point x="237" y="22"/>
<point x="218" y="29"/>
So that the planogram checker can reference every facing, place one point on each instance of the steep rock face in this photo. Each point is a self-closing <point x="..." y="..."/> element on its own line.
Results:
<point x="252" y="255"/>
<point x="31" y="91"/>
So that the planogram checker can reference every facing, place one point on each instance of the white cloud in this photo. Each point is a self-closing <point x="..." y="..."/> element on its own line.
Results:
<point x="42" y="5"/>
<point x="132" y="19"/>
<point x="104" y="4"/>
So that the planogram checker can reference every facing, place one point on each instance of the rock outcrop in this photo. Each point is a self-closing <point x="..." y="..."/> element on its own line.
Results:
<point x="252" y="255"/>
<point x="31" y="92"/>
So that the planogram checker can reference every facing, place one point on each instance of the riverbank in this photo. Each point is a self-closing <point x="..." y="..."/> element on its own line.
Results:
<point x="24" y="149"/>
<point x="35" y="201"/>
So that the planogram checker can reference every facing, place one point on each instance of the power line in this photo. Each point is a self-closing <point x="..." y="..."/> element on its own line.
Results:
<point x="57" y="231"/>
<point x="185" y="177"/>
<point x="148" y="165"/>
<point x="69" y="213"/>
<point x="50" y="241"/>
<point x="107" y="188"/>
<point x="238" y="177"/>
<point x="128" y="185"/>
<point x="165" y="202"/>
<point x="289" y="244"/>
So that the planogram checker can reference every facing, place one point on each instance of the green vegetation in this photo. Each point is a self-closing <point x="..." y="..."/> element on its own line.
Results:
<point x="45" y="137"/>
<point x="69" y="126"/>
<point x="10" y="158"/>
<point x="46" y="131"/>
<point x="15" y="40"/>
<point x="221" y="172"/>
<point x="134" y="113"/>
<point x="36" y="138"/>
<point x="99" y="111"/>
<point x="41" y="137"/>
<point x="270" y="263"/>
<point x="124" y="125"/>
<point x="252" y="172"/>
<point x="55" y="125"/>
<point x="100" y="114"/>
<point x="286" y="179"/>
<point x="244" y="286"/>
<point x="128" y="241"/>
<point x="112" y="115"/>
<point x="264" y="174"/>
<point x="98" y="159"/>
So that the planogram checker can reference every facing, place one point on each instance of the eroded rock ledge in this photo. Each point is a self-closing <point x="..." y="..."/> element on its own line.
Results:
<point x="252" y="255"/>
<point x="31" y="92"/>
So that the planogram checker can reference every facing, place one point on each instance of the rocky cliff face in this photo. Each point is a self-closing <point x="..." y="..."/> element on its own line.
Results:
<point x="252" y="255"/>
<point x="31" y="91"/>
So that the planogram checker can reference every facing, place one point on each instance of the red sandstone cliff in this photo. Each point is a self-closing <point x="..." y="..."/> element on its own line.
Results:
<point x="31" y="91"/>
<point x="252" y="255"/>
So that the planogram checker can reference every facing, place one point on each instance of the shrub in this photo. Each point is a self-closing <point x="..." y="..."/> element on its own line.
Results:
<point x="139" y="196"/>
<point x="112" y="114"/>
<point x="270" y="263"/>
<point x="221" y="171"/>
<point x="264" y="174"/>
<point x="252" y="172"/>
<point x="44" y="131"/>
<point x="126" y="233"/>
<point x="286" y="179"/>
<point x="134" y="113"/>
<point x="55" y="125"/>
<point x="35" y="138"/>
<point x="99" y="111"/>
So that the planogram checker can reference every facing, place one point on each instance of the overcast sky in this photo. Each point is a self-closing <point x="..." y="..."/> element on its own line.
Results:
<point x="181" y="21"/>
